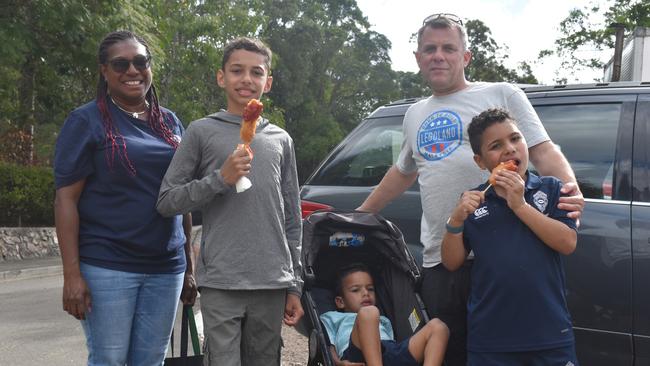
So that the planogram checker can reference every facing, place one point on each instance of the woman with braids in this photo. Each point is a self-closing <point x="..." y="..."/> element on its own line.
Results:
<point x="124" y="265"/>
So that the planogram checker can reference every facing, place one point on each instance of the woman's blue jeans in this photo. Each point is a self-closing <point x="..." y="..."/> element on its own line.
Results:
<point x="132" y="316"/>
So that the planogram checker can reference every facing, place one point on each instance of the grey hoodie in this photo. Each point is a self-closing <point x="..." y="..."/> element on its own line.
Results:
<point x="251" y="240"/>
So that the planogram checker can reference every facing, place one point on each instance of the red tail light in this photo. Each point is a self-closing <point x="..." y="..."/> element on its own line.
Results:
<point x="308" y="207"/>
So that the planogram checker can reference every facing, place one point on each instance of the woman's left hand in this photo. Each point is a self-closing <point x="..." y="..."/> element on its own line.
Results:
<point x="188" y="295"/>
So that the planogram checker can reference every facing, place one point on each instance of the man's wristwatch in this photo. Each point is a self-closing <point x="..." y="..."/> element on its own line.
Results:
<point x="453" y="229"/>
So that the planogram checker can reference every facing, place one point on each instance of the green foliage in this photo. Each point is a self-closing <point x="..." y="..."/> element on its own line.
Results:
<point x="488" y="58"/>
<point x="411" y="85"/>
<point x="48" y="57"/>
<point x="581" y="33"/>
<point x="330" y="70"/>
<point x="192" y="35"/>
<point x="26" y="196"/>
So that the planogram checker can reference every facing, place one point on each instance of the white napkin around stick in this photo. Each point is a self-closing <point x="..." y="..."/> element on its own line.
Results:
<point x="243" y="183"/>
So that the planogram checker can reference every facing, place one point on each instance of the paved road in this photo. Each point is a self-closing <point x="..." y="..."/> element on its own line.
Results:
<point x="34" y="330"/>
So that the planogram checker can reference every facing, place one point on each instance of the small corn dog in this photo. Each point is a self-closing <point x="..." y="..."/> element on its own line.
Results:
<point x="509" y="165"/>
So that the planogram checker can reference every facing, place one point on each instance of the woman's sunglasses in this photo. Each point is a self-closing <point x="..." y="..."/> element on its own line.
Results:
<point x="121" y="65"/>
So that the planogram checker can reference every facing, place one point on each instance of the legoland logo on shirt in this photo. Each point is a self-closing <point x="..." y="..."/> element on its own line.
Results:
<point x="439" y="135"/>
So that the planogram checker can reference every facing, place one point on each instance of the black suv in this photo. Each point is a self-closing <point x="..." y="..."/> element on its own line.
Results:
<point x="604" y="131"/>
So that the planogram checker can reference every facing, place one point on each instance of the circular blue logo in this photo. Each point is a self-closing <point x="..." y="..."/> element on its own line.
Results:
<point x="439" y="135"/>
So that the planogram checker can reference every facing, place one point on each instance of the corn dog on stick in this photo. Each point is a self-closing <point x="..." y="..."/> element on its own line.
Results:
<point x="509" y="165"/>
<point x="251" y="114"/>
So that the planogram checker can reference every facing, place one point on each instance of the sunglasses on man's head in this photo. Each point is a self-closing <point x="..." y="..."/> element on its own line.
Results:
<point x="453" y="17"/>
<point x="121" y="65"/>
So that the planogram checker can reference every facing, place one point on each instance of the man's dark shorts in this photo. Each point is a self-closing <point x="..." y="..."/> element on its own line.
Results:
<point x="392" y="353"/>
<point x="445" y="295"/>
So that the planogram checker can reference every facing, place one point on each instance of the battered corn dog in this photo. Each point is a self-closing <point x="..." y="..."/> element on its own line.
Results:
<point x="252" y="112"/>
<point x="508" y="165"/>
<point x="250" y="116"/>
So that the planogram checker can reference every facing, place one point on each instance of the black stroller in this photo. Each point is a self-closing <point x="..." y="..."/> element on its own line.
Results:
<point x="334" y="239"/>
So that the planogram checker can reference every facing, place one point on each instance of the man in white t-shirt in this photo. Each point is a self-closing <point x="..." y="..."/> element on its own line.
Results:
<point x="436" y="150"/>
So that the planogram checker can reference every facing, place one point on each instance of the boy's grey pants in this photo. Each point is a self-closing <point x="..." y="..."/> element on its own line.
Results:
<point x="242" y="327"/>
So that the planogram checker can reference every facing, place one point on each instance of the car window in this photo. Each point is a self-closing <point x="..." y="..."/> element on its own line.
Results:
<point x="586" y="134"/>
<point x="364" y="156"/>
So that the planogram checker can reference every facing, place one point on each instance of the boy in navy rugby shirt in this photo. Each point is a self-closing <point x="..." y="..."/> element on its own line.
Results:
<point x="517" y="313"/>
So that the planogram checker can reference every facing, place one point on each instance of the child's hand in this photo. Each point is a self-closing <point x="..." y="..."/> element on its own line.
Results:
<point x="292" y="309"/>
<point x="236" y="166"/>
<point x="468" y="203"/>
<point x="513" y="185"/>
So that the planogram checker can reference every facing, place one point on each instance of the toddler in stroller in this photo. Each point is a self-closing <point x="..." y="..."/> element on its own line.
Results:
<point x="362" y="246"/>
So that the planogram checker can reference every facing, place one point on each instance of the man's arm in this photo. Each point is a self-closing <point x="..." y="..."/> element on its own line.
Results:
<point x="391" y="186"/>
<point x="550" y="161"/>
<point x="547" y="158"/>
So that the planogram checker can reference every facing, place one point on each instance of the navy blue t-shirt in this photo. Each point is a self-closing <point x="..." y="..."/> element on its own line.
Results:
<point x="119" y="227"/>
<point x="517" y="300"/>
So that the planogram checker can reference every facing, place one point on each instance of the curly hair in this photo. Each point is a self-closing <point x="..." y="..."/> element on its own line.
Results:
<point x="481" y="122"/>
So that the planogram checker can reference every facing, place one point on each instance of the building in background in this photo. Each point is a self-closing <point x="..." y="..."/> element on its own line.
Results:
<point x="635" y="62"/>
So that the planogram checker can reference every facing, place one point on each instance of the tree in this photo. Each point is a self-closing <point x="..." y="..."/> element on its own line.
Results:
<point x="331" y="71"/>
<point x="192" y="36"/>
<point x="486" y="64"/>
<point x="411" y="85"/>
<point x="580" y="33"/>
<point x="48" y="57"/>
<point x="488" y="57"/>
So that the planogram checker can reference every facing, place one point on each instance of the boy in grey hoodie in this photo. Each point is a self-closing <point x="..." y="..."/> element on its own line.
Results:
<point x="249" y="266"/>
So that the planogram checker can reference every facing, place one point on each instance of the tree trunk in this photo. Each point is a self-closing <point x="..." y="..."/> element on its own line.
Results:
<point x="26" y="93"/>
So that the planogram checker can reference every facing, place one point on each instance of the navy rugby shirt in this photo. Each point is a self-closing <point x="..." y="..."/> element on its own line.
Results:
<point x="119" y="227"/>
<point x="517" y="300"/>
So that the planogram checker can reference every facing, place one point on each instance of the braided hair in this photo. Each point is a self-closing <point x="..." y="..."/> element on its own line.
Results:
<point x="157" y="120"/>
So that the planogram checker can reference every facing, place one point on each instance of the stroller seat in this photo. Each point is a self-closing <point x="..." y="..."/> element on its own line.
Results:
<point x="335" y="239"/>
